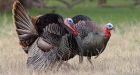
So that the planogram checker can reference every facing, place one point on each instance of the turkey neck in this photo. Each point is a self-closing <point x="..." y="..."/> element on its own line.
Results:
<point x="72" y="28"/>
<point x="107" y="33"/>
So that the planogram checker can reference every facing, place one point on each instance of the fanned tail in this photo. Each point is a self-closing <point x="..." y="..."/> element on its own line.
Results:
<point x="24" y="27"/>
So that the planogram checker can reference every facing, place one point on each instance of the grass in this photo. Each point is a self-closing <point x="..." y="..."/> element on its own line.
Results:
<point x="121" y="57"/>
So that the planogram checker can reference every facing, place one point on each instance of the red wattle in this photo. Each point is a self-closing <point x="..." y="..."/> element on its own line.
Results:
<point x="107" y="33"/>
<point x="75" y="32"/>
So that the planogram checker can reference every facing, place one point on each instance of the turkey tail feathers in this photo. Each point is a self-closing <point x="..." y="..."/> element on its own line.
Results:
<point x="24" y="27"/>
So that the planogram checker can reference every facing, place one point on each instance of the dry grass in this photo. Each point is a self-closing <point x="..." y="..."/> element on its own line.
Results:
<point x="121" y="57"/>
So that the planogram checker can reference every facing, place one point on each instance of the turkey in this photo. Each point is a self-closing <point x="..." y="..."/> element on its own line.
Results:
<point x="93" y="38"/>
<point x="46" y="39"/>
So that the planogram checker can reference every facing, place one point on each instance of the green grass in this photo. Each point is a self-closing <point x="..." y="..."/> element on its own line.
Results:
<point x="101" y="15"/>
<point x="121" y="56"/>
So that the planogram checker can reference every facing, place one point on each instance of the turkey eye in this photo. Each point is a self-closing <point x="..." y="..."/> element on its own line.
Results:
<point x="110" y="26"/>
<point x="70" y="21"/>
<point x="96" y="33"/>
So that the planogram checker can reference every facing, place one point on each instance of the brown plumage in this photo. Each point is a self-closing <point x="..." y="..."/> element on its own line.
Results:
<point x="46" y="39"/>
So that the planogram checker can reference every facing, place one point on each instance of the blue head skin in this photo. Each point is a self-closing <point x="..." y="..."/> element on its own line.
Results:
<point x="70" y="21"/>
<point x="109" y="26"/>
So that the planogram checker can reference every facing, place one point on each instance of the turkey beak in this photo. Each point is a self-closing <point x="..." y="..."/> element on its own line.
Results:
<point x="113" y="29"/>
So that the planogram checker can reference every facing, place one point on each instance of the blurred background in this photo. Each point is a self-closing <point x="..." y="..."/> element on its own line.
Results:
<point x="101" y="11"/>
<point x="121" y="57"/>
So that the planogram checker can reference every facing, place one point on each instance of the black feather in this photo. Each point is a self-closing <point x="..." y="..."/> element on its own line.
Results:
<point x="78" y="18"/>
<point x="47" y="19"/>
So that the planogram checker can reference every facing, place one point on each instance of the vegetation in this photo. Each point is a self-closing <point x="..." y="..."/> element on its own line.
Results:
<point x="116" y="15"/>
<point x="121" y="56"/>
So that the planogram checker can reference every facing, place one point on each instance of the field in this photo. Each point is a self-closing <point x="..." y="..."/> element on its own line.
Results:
<point x="121" y="57"/>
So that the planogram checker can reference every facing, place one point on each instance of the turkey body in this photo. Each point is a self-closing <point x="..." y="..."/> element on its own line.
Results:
<point x="41" y="60"/>
<point x="46" y="41"/>
<point x="93" y="37"/>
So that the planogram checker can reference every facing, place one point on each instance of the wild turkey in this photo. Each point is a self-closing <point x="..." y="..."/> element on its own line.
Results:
<point x="46" y="39"/>
<point x="94" y="38"/>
